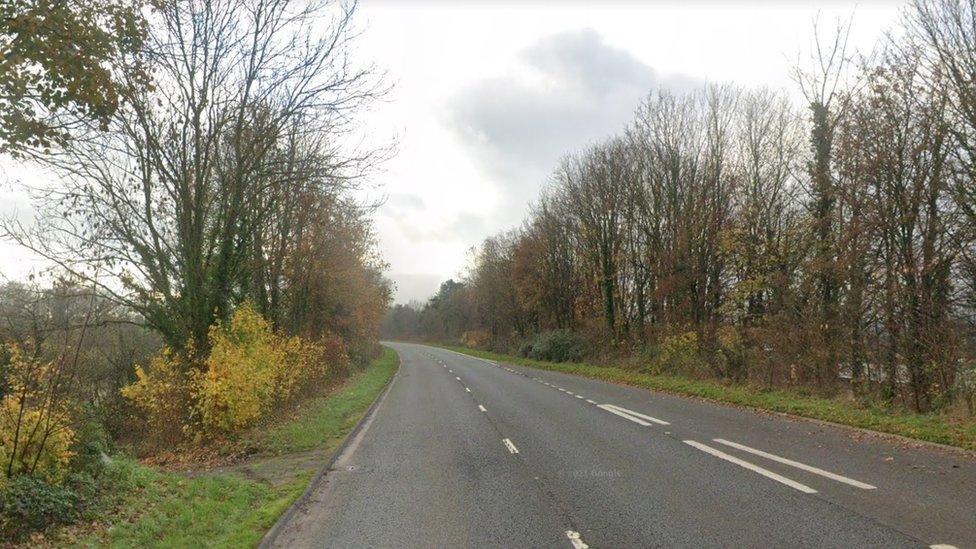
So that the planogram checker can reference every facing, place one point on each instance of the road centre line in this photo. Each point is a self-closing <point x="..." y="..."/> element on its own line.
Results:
<point x="511" y="447"/>
<point x="797" y="464"/>
<point x="752" y="467"/>
<point x="576" y="540"/>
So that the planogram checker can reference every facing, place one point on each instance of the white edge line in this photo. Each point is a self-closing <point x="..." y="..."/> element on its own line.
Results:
<point x="511" y="447"/>
<point x="754" y="468"/>
<point x="797" y="464"/>
<point x="638" y="414"/>
<point x="576" y="540"/>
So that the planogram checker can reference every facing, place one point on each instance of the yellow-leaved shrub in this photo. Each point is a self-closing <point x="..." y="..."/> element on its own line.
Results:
<point x="162" y="393"/>
<point x="41" y="446"/>
<point x="35" y="428"/>
<point x="250" y="371"/>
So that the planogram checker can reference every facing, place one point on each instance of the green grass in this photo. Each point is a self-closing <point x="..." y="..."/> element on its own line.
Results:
<point x="927" y="427"/>
<point x="329" y="416"/>
<point x="228" y="509"/>
<point x="219" y="510"/>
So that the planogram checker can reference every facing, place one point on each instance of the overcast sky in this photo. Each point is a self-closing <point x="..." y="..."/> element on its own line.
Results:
<point x="488" y="97"/>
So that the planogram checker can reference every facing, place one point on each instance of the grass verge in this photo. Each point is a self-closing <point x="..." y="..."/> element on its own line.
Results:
<point x="926" y="427"/>
<point x="228" y="509"/>
<point x="329" y="417"/>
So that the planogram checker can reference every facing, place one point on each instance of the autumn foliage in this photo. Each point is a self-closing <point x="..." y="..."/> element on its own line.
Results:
<point x="36" y="437"/>
<point x="250" y="372"/>
<point x="826" y="245"/>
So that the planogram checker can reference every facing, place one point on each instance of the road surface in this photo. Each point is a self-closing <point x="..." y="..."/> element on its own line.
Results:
<point x="465" y="452"/>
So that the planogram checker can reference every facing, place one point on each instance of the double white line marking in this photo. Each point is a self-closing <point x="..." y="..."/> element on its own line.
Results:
<point x="636" y="417"/>
<point x="769" y="474"/>
<point x="797" y="464"/>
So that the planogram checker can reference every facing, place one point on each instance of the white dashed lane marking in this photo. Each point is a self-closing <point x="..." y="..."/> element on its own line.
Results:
<point x="576" y="540"/>
<point x="482" y="408"/>
<point x="511" y="447"/>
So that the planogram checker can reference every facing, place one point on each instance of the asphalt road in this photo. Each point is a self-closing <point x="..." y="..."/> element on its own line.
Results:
<point x="464" y="452"/>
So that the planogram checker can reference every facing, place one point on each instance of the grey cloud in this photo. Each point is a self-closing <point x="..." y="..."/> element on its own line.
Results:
<point x="518" y="130"/>
<point x="402" y="202"/>
<point x="465" y="227"/>
<point x="415" y="286"/>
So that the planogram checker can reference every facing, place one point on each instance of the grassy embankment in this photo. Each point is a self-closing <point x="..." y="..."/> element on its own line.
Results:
<point x="927" y="427"/>
<point x="232" y="508"/>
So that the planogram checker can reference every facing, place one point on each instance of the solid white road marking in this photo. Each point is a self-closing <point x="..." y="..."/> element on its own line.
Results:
<point x="576" y="540"/>
<point x="638" y="415"/>
<point x="623" y="415"/>
<point x="797" y="464"/>
<point x="482" y="408"/>
<point x="754" y="468"/>
<point x="511" y="447"/>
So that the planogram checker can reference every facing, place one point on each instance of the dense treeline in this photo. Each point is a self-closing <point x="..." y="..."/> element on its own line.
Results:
<point x="730" y="233"/>
<point x="212" y="258"/>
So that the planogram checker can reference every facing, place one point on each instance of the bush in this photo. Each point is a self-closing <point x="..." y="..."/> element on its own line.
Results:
<point x="477" y="339"/>
<point x="678" y="353"/>
<point x="162" y="394"/>
<point x="29" y="503"/>
<point x="733" y="355"/>
<point x="35" y="432"/>
<point x="251" y="369"/>
<point x="556" y="346"/>
<point x="32" y="441"/>
<point x="249" y="372"/>
<point x="241" y="372"/>
<point x="92" y="443"/>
